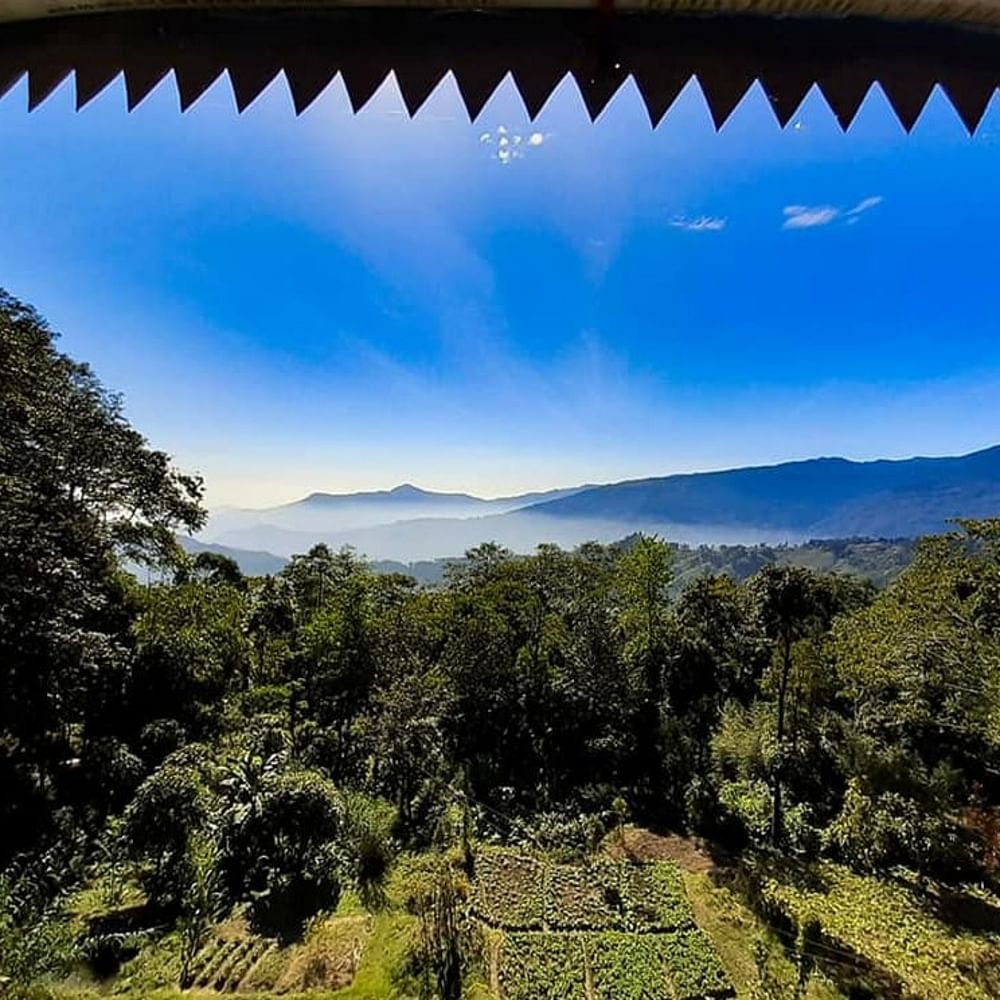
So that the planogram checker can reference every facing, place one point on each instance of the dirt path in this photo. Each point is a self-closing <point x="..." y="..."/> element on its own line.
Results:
<point x="635" y="843"/>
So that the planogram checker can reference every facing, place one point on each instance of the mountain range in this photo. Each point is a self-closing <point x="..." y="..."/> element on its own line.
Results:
<point x="786" y="503"/>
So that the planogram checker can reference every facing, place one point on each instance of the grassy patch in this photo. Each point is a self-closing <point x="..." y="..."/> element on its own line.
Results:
<point x="329" y="957"/>
<point x="382" y="973"/>
<point x="753" y="956"/>
<point x="890" y="925"/>
<point x="96" y="902"/>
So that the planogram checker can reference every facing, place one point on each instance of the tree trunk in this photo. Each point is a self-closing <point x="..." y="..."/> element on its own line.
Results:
<point x="776" y="807"/>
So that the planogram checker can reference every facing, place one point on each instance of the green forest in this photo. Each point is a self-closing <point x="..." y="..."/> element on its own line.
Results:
<point x="875" y="559"/>
<point x="571" y="774"/>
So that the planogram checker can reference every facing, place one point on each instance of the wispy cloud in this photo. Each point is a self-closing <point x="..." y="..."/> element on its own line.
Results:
<point x="810" y="216"/>
<point x="806" y="217"/>
<point x="865" y="204"/>
<point x="510" y="146"/>
<point x="701" y="224"/>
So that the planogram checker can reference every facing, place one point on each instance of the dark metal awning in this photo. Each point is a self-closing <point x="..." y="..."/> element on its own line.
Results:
<point x="842" y="46"/>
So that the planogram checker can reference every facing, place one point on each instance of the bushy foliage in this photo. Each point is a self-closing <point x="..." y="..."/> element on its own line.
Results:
<point x="169" y="808"/>
<point x="35" y="940"/>
<point x="878" y="831"/>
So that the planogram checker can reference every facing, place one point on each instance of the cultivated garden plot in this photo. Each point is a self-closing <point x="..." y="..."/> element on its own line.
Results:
<point x="519" y="892"/>
<point x="610" y="930"/>
<point x="509" y="890"/>
<point x="614" y="965"/>
<point x="224" y="965"/>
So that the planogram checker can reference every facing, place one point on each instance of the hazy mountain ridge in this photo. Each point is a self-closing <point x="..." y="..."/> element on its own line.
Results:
<point x="329" y="513"/>
<point x="786" y="503"/>
<point x="818" y="497"/>
<point x="251" y="563"/>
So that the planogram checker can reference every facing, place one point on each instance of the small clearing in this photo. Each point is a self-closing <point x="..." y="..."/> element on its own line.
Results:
<point x="636" y="843"/>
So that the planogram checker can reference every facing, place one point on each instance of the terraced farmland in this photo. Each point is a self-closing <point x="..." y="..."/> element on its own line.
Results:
<point x="611" y="930"/>
<point x="224" y="963"/>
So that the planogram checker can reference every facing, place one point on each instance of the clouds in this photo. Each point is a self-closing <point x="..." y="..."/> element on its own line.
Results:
<point x="811" y="216"/>
<point x="511" y="146"/>
<point x="700" y="224"/>
<point x="865" y="204"/>
<point x="804" y="217"/>
<point x="795" y="217"/>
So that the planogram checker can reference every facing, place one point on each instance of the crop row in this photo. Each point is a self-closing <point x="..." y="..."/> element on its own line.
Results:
<point x="523" y="893"/>
<point x="693" y="965"/>
<point x="679" y="965"/>
<point x="210" y="959"/>
<point x="222" y="965"/>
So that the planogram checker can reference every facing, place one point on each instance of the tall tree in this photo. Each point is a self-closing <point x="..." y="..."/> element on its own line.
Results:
<point x="785" y="601"/>
<point x="77" y="485"/>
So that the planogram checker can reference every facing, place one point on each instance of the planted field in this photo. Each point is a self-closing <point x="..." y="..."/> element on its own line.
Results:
<point x="223" y="963"/>
<point x="517" y="892"/>
<point x="658" y="898"/>
<point x="578" y="898"/>
<point x="627" y="967"/>
<point x="612" y="930"/>
<point x="509" y="890"/>
<point x="693" y="966"/>
<point x="680" y="965"/>
<point x="542" y="967"/>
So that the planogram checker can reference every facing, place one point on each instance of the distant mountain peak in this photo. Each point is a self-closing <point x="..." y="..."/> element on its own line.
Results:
<point x="403" y="492"/>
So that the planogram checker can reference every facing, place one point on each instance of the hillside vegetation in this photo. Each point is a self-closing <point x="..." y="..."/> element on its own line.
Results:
<point x="330" y="781"/>
<point x="878" y="560"/>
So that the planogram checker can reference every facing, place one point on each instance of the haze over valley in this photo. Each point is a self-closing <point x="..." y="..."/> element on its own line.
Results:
<point x="787" y="503"/>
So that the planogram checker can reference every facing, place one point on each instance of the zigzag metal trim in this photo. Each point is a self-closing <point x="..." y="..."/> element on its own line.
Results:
<point x="661" y="52"/>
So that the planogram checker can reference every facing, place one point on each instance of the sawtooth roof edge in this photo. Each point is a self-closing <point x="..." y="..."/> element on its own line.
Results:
<point x="843" y="55"/>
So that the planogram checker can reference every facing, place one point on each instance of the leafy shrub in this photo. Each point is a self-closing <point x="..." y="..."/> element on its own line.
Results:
<point x="160" y="738"/>
<point x="112" y="773"/>
<point x="568" y="838"/>
<point x="875" y="832"/>
<point x="369" y="824"/>
<point x="34" y="939"/>
<point x="749" y="801"/>
<point x="169" y="807"/>
<point x="288" y="898"/>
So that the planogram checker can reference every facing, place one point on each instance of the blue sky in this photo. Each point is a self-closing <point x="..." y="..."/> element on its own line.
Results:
<point x="341" y="302"/>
